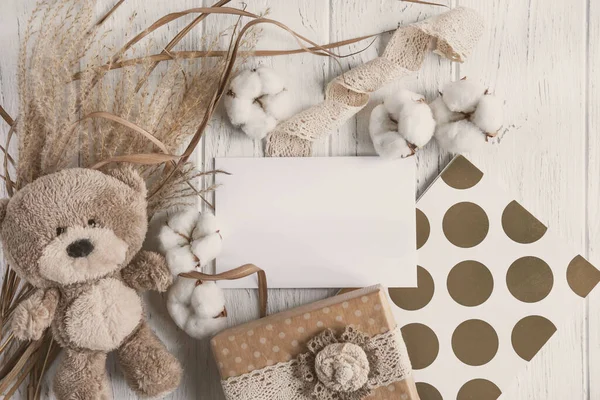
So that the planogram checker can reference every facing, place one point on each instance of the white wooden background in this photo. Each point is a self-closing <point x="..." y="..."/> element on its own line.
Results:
<point x="542" y="56"/>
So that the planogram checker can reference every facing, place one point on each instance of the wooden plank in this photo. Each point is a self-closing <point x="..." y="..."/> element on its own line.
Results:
<point x="593" y="195"/>
<point x="533" y="55"/>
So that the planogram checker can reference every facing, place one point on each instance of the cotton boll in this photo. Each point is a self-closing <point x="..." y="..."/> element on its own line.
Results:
<point x="259" y="128"/>
<point x="181" y="290"/>
<point x="270" y="80"/>
<point x="390" y="145"/>
<point x="280" y="105"/>
<point x="459" y="137"/>
<point x="200" y="328"/>
<point x="442" y="114"/>
<point x="169" y="239"/>
<point x="238" y="110"/>
<point x="184" y="221"/>
<point x="246" y="85"/>
<point x="416" y="123"/>
<point x="207" y="224"/>
<point x="207" y="248"/>
<point x="397" y="100"/>
<point x="387" y="141"/>
<point x="181" y="259"/>
<point x="380" y="121"/>
<point x="208" y="300"/>
<point x="180" y="313"/>
<point x="463" y="95"/>
<point x="489" y="114"/>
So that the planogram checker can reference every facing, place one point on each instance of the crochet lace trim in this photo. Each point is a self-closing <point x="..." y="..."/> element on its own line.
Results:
<point x="284" y="381"/>
<point x="453" y="34"/>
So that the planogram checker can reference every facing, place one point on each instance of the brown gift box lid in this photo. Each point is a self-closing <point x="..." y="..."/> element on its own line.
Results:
<point x="283" y="336"/>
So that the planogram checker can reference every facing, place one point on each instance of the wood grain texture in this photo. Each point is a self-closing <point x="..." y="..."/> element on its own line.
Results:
<point x="541" y="56"/>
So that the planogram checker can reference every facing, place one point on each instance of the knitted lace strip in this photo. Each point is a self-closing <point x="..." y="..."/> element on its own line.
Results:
<point x="454" y="34"/>
<point x="281" y="381"/>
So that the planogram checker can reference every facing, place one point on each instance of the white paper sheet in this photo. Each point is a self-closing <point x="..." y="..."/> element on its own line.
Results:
<point x="319" y="222"/>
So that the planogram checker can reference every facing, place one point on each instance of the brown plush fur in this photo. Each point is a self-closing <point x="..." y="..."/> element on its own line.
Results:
<point x="88" y="294"/>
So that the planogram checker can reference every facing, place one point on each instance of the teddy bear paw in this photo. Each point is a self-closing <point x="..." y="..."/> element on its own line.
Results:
<point x="29" y="323"/>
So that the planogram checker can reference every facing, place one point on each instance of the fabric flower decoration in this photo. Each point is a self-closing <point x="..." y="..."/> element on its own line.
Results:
<point x="257" y="100"/>
<point x="401" y="125"/>
<point x="467" y="116"/>
<point x="341" y="367"/>
<point x="190" y="241"/>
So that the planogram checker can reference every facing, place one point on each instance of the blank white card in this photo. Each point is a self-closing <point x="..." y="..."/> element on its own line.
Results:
<point x="319" y="222"/>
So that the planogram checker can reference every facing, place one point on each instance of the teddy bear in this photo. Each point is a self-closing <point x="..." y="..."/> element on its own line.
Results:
<point x="76" y="236"/>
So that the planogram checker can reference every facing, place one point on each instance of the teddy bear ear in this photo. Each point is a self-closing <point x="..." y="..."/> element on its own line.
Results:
<point x="130" y="177"/>
<point x="3" y="205"/>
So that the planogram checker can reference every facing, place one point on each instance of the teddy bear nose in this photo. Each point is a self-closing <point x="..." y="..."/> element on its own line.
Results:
<point x="80" y="248"/>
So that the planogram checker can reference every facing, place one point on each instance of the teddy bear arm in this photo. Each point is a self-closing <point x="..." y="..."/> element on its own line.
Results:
<point x="148" y="271"/>
<point x="35" y="314"/>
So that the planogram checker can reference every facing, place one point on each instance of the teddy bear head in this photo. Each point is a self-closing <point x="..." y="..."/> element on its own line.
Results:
<point x="74" y="226"/>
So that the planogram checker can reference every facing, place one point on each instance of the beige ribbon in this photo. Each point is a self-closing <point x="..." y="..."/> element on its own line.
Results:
<point x="453" y="35"/>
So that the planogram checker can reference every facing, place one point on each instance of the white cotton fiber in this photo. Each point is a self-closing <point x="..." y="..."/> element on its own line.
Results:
<point x="181" y="290"/>
<point x="207" y="248"/>
<point x="181" y="259"/>
<point x="489" y="115"/>
<point x="398" y="99"/>
<point x="184" y="221"/>
<point x="386" y="140"/>
<point x="380" y="121"/>
<point x="169" y="239"/>
<point x="238" y="111"/>
<point x="257" y="100"/>
<point x="442" y="114"/>
<point x="180" y="313"/>
<point x="463" y="96"/>
<point x="246" y="85"/>
<point x="416" y="123"/>
<point x="196" y="308"/>
<point x="207" y="224"/>
<point x="200" y="328"/>
<point x="280" y="105"/>
<point x="258" y="129"/>
<point x="459" y="137"/>
<point x="390" y="145"/>
<point x="271" y="82"/>
<point x="208" y="300"/>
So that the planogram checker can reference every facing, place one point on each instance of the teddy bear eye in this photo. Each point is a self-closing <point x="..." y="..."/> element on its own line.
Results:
<point x="92" y="222"/>
<point x="60" y="230"/>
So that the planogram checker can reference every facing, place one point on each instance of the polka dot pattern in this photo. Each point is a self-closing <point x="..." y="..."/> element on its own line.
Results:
<point x="582" y="276"/>
<point x="414" y="298"/>
<point x="465" y="224"/>
<point x="470" y="283"/>
<point x="530" y="279"/>
<point x="530" y="334"/>
<point x="422" y="344"/>
<point x="423" y="229"/>
<point x="461" y="174"/>
<point x="520" y="225"/>
<point x="488" y="267"/>
<point x="428" y="392"/>
<point x="475" y="342"/>
<point x="480" y="389"/>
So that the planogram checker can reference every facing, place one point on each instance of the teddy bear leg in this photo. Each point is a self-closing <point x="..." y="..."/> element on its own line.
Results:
<point x="82" y="375"/>
<point x="148" y="366"/>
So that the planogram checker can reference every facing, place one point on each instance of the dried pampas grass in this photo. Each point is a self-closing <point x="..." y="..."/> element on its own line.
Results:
<point x="78" y="107"/>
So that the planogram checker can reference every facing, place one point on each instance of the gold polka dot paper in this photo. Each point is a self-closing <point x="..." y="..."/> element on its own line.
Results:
<point x="493" y="287"/>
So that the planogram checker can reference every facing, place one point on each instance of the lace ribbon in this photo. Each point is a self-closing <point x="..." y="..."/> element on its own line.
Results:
<point x="454" y="34"/>
<point x="282" y="381"/>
